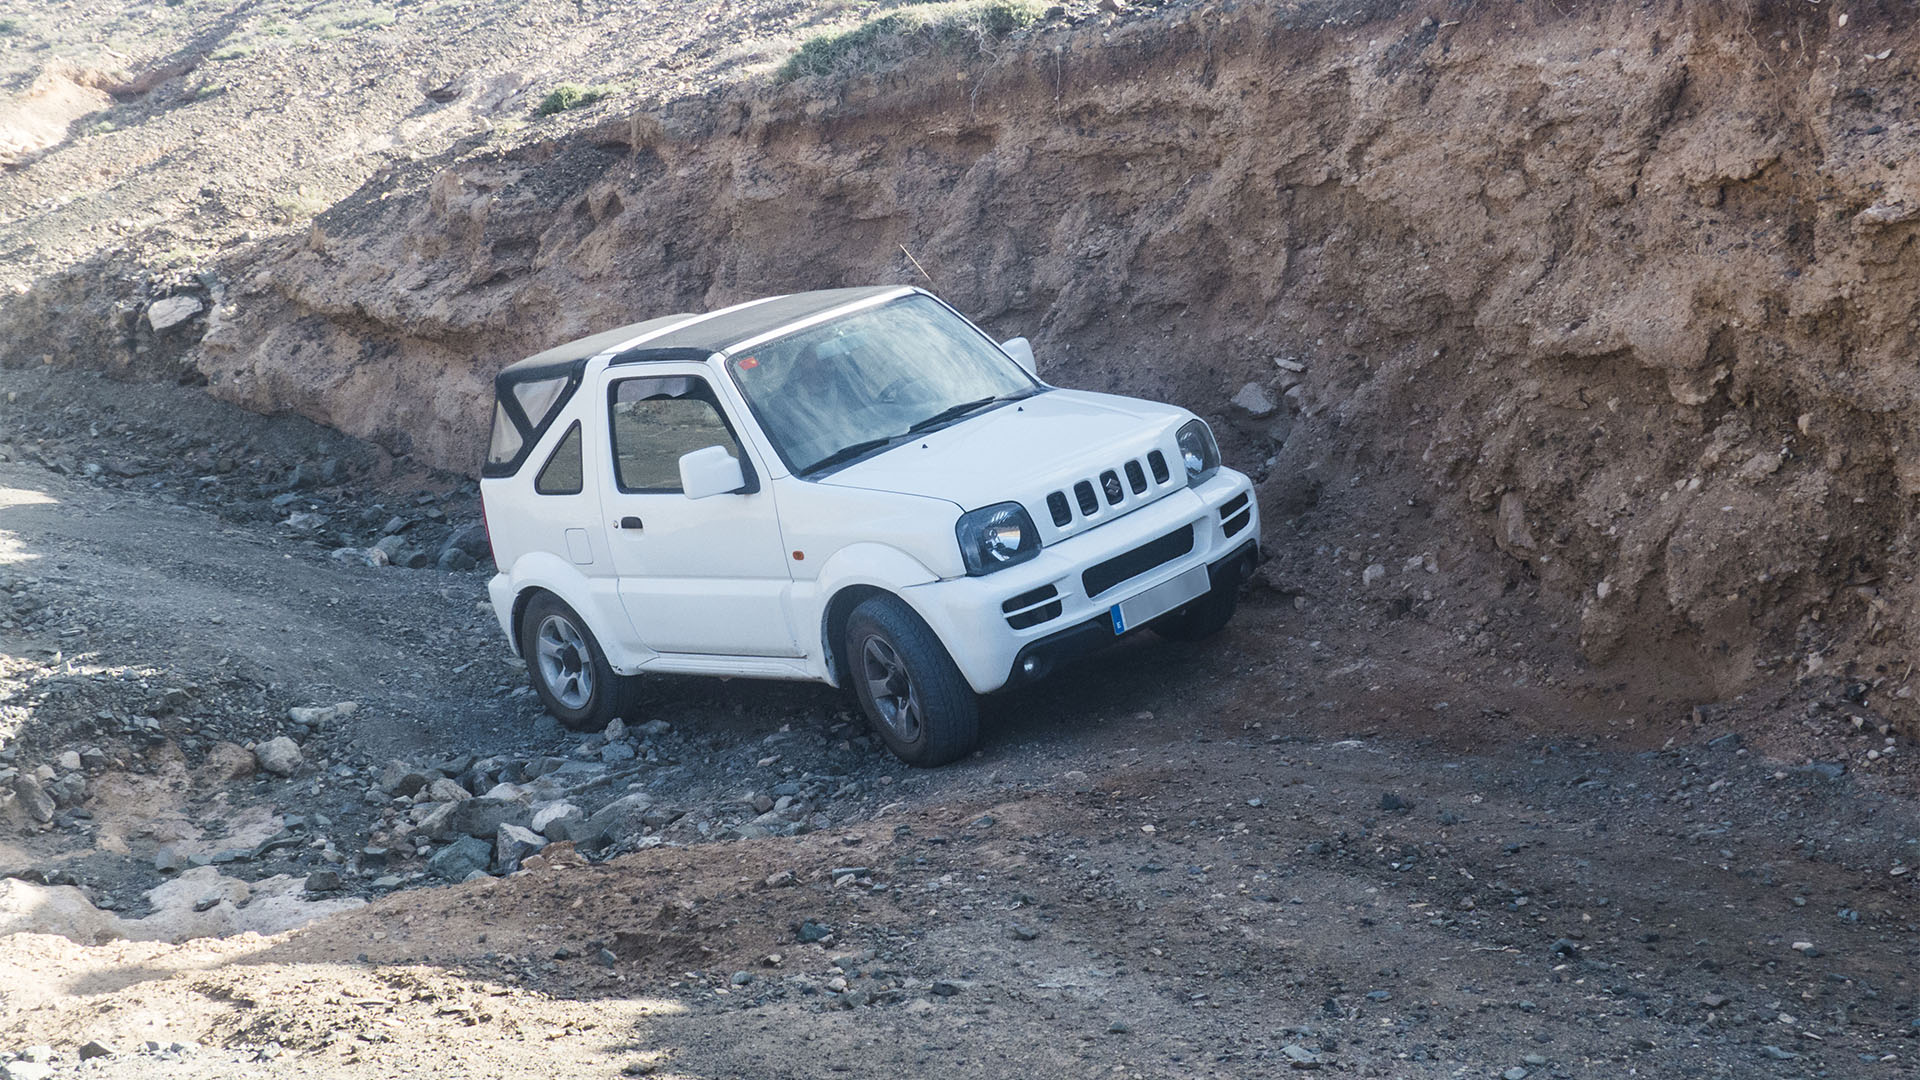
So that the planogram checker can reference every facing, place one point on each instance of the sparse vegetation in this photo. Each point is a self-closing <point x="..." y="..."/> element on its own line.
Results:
<point x="572" y="96"/>
<point x="885" y="38"/>
<point x="299" y="206"/>
<point x="316" y="22"/>
<point x="339" y="24"/>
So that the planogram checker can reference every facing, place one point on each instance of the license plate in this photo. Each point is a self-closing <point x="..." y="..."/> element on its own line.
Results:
<point x="1157" y="601"/>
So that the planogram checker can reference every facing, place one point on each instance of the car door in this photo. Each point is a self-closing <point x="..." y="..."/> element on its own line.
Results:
<point x="696" y="575"/>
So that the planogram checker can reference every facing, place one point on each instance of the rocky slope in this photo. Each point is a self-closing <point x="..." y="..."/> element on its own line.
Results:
<point x="1617" y="288"/>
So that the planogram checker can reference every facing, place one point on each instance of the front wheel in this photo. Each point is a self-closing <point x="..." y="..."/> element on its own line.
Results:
<point x="1202" y="617"/>
<point x="912" y="693"/>
<point x="568" y="669"/>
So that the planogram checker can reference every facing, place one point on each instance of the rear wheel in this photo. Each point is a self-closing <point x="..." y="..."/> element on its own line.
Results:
<point x="568" y="669"/>
<point x="1202" y="617"/>
<point x="912" y="693"/>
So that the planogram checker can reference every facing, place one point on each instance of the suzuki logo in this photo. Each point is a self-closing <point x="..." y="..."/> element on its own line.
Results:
<point x="1112" y="484"/>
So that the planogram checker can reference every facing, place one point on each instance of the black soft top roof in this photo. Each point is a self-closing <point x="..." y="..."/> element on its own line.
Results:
<point x="703" y="335"/>
<point x="561" y="357"/>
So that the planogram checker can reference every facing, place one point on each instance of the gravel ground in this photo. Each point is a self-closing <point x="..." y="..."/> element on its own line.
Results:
<point x="1328" y="839"/>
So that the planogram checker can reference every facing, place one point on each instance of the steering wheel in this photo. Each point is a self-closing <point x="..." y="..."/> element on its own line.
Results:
<point x="890" y="394"/>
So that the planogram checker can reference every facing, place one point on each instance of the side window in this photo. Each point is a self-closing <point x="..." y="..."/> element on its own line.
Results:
<point x="561" y="475"/>
<point x="657" y="420"/>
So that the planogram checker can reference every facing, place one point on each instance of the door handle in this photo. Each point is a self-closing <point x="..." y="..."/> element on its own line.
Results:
<point x="629" y="522"/>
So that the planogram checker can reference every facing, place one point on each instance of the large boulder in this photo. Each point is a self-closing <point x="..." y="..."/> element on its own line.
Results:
<point x="471" y="539"/>
<point x="560" y="821"/>
<point x="458" y="860"/>
<point x="445" y="790"/>
<point x="402" y="779"/>
<point x="483" y="817"/>
<point x="513" y="844"/>
<point x="624" y="816"/>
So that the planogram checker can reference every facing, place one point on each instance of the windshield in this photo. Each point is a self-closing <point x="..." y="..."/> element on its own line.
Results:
<point x="838" y="391"/>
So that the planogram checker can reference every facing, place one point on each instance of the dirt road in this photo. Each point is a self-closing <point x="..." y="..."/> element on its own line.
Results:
<point x="1328" y="839"/>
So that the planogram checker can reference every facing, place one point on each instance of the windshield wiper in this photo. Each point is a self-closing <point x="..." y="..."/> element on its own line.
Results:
<point x="951" y="412"/>
<point x="846" y="453"/>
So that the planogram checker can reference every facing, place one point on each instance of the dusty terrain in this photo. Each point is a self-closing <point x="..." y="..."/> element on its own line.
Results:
<point x="1565" y="734"/>
<point x="1337" y="832"/>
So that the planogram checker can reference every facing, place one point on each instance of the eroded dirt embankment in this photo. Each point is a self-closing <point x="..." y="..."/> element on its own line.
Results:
<point x="1623" y="291"/>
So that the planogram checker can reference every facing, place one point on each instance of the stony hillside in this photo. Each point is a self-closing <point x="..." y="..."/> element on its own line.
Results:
<point x="1615" y="289"/>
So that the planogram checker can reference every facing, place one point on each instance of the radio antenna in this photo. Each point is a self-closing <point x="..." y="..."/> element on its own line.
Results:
<point x="916" y="264"/>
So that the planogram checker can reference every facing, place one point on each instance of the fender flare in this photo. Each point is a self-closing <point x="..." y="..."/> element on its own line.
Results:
<point x="597" y="601"/>
<point x="852" y="573"/>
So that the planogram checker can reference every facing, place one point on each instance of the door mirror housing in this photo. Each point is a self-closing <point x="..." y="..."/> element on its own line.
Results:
<point x="1022" y="352"/>
<point x="711" y="471"/>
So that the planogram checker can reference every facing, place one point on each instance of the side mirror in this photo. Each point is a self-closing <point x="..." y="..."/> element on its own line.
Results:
<point x="1022" y="352"/>
<point x="710" y="471"/>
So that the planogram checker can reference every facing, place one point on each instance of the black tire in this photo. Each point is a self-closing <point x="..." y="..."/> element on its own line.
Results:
<point x="568" y="668"/>
<point x="915" y="698"/>
<point x="1202" y="617"/>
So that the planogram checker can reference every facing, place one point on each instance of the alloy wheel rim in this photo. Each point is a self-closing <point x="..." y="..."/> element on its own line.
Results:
<point x="562" y="652"/>
<point x="891" y="688"/>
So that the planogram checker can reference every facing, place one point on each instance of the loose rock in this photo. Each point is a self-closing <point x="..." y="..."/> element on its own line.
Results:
<point x="230" y="761"/>
<point x="172" y="311"/>
<point x="279" y="755"/>
<point x="34" y="799"/>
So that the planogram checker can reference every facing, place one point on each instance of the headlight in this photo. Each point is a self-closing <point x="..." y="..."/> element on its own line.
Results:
<point x="996" y="537"/>
<point x="1199" y="451"/>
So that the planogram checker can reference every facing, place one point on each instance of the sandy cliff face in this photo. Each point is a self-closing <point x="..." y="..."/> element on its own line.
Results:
<point x="1625" y="291"/>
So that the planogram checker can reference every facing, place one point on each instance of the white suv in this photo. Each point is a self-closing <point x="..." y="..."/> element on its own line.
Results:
<point x="854" y="486"/>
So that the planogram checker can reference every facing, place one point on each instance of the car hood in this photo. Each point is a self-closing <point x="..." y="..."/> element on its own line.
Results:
<point x="1026" y="450"/>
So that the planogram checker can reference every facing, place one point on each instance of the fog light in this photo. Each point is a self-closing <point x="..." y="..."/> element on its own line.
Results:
<point x="1029" y="666"/>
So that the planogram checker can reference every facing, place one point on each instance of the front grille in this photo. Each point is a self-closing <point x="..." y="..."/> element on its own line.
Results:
<point x="1057" y="506"/>
<point x="1234" y="515"/>
<point x="1116" y="486"/>
<point x="1021" y="612"/>
<point x="1103" y="576"/>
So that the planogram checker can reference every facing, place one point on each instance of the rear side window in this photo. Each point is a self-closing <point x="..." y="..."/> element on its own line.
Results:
<point x="561" y="475"/>
<point x="657" y="420"/>
<point x="504" y="447"/>
<point x="539" y="398"/>
<point x="524" y="404"/>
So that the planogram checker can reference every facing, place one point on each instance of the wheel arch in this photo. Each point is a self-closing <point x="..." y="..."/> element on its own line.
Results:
<point x="521" y="600"/>
<point x="853" y="575"/>
<point x="833" y="625"/>
<point x="595" y="600"/>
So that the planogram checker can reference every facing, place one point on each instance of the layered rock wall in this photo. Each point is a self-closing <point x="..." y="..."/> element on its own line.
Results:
<point x="1626" y="288"/>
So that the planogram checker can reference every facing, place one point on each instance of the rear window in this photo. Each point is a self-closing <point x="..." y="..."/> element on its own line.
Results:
<point x="523" y="408"/>
<point x="538" y="399"/>
<point x="505" y="445"/>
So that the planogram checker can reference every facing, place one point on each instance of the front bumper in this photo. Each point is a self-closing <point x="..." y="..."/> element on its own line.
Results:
<point x="994" y="625"/>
